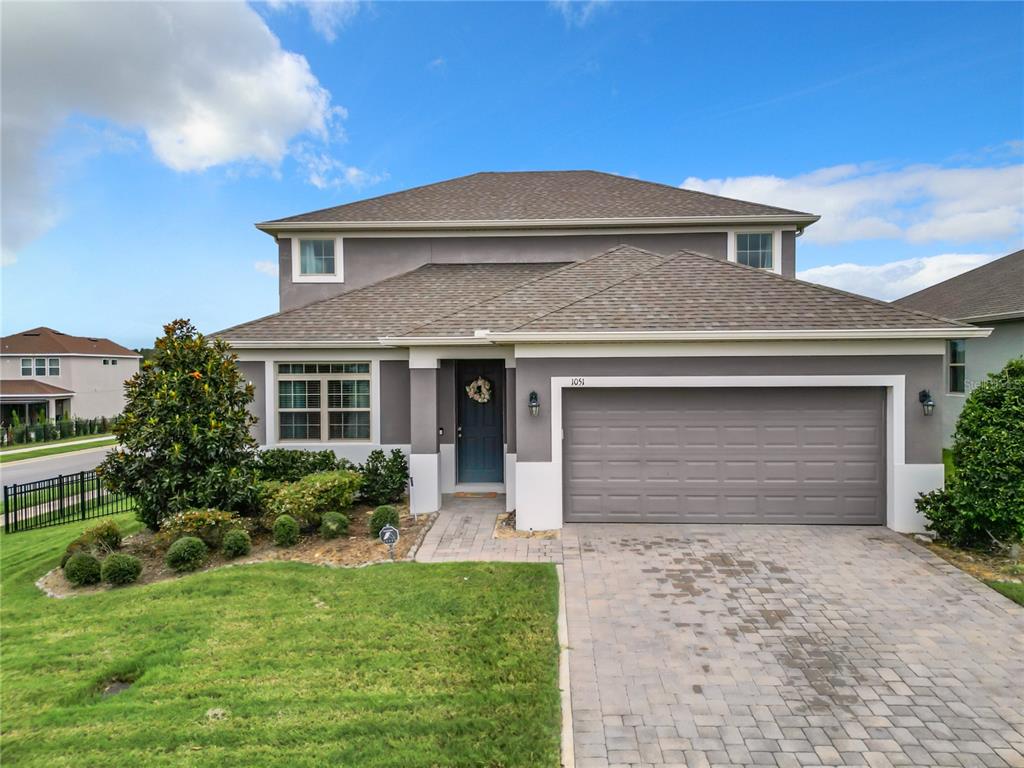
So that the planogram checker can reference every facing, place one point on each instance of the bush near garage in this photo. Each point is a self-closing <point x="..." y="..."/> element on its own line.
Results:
<point x="983" y="504"/>
<point x="385" y="477"/>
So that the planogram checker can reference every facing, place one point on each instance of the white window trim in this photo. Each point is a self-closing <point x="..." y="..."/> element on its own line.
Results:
<point x="273" y="399"/>
<point x="339" y="259"/>
<point x="776" y="234"/>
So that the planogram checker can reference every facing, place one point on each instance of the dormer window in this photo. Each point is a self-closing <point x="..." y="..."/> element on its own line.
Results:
<point x="755" y="249"/>
<point x="317" y="259"/>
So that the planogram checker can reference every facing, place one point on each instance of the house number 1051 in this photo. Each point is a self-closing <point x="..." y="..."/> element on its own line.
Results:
<point x="578" y="382"/>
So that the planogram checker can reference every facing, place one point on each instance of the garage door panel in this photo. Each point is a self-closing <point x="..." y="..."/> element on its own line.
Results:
<point x="725" y="455"/>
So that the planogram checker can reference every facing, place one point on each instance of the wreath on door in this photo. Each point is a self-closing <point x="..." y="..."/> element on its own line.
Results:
<point x="479" y="390"/>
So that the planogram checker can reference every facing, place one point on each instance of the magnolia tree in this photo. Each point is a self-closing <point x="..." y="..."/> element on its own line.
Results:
<point x="184" y="434"/>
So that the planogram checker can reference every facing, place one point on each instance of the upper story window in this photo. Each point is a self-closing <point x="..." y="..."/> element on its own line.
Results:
<point x="956" y="354"/>
<point x="110" y="361"/>
<point x="26" y="366"/>
<point x="755" y="249"/>
<point x="317" y="259"/>
<point x="40" y="366"/>
<point x="54" y="366"/>
<point x="303" y="411"/>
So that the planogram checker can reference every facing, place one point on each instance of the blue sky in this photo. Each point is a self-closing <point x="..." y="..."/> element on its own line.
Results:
<point x="131" y="185"/>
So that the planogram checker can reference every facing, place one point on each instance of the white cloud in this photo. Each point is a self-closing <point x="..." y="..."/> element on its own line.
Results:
<point x="578" y="13"/>
<point x="324" y="171"/>
<point x="206" y="83"/>
<point x="266" y="267"/>
<point x="327" y="17"/>
<point x="897" y="278"/>
<point x="917" y="203"/>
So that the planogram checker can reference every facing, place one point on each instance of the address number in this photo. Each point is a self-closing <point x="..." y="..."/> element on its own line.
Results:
<point x="579" y="382"/>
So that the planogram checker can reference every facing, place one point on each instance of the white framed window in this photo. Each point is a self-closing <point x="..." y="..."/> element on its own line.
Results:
<point x="113" y="361"/>
<point x="754" y="249"/>
<point x="26" y="366"/>
<point x="53" y="364"/>
<point x="318" y="258"/>
<point x="40" y="366"/>
<point x="956" y="362"/>
<point x="323" y="401"/>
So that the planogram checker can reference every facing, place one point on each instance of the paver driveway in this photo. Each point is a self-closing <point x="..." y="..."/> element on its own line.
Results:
<point x="756" y="645"/>
<point x="778" y="646"/>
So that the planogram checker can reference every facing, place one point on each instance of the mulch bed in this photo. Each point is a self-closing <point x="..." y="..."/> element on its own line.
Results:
<point x="985" y="566"/>
<point x="352" y="551"/>
<point x="505" y="528"/>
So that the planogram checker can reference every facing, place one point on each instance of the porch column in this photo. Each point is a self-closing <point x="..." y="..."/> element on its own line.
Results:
<point x="51" y="409"/>
<point x="510" y="435"/>
<point x="425" y="460"/>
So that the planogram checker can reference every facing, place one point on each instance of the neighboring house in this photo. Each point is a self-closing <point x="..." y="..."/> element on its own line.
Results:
<point x="43" y="371"/>
<point x="991" y="296"/>
<point x="597" y="348"/>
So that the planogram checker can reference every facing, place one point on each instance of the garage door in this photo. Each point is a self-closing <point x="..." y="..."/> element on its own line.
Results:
<point x="659" y="455"/>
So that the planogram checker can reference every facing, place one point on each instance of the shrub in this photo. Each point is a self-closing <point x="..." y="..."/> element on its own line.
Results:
<point x="101" y="539"/>
<point x="943" y="519"/>
<point x="184" y="434"/>
<point x="383" y="515"/>
<point x="121" y="569"/>
<point x="986" y="493"/>
<point x="385" y="478"/>
<point x="186" y="554"/>
<point x="210" y="525"/>
<point x="307" y="500"/>
<point x="286" y="531"/>
<point x="289" y="465"/>
<point x="82" y="569"/>
<point x="236" y="543"/>
<point x="334" y="524"/>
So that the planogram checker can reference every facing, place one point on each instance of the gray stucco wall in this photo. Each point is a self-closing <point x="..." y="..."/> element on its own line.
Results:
<point x="446" y="400"/>
<point x="510" y="409"/>
<point x="395" y="427"/>
<point x="368" y="260"/>
<point x="423" y="421"/>
<point x="982" y="357"/>
<point x="789" y="254"/>
<point x="923" y="433"/>
<point x="255" y="371"/>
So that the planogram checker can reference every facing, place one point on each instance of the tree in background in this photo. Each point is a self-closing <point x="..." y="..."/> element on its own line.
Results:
<point x="184" y="433"/>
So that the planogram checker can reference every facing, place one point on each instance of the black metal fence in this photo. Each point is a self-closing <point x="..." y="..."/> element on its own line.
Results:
<point x="59" y="500"/>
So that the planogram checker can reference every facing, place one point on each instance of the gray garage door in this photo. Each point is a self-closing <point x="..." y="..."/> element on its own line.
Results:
<point x="767" y="455"/>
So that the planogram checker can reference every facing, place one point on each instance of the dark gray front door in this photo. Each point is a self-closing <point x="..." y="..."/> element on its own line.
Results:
<point x="480" y="434"/>
<point x="725" y="455"/>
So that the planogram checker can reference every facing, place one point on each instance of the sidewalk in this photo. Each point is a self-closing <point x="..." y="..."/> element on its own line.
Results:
<point x="54" y="444"/>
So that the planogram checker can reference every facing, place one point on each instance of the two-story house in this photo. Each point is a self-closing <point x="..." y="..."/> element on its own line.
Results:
<point x="49" y="373"/>
<point x="597" y="348"/>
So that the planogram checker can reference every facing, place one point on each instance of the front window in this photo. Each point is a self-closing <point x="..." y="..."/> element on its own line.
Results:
<point x="754" y="249"/>
<point x="54" y="366"/>
<point x="40" y="366"/>
<point x="957" y="361"/>
<point x="303" y="410"/>
<point x="26" y="366"/>
<point x="316" y="257"/>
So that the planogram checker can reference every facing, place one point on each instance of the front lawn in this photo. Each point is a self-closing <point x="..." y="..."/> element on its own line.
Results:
<point x="52" y="449"/>
<point x="1013" y="590"/>
<point x="281" y="664"/>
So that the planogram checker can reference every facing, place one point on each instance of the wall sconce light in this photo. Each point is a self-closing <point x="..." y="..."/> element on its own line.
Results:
<point x="534" y="403"/>
<point x="927" y="403"/>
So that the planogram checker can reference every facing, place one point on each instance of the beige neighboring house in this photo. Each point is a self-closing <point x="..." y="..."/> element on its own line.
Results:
<point x="43" y="370"/>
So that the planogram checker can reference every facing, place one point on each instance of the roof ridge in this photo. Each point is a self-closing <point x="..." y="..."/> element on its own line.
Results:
<point x="823" y="288"/>
<point x="523" y="284"/>
<point x="948" y="280"/>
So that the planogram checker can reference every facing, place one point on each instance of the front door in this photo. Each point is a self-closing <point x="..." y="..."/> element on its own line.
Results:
<point x="480" y="432"/>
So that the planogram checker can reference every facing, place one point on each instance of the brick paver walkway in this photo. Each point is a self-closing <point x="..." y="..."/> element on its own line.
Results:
<point x="774" y="646"/>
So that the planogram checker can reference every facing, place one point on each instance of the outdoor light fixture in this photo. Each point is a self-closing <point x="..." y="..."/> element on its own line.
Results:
<point x="927" y="404"/>
<point x="534" y="403"/>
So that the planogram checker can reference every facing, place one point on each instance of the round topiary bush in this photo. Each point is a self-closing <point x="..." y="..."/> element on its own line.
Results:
<point x="985" y="498"/>
<point x="383" y="515"/>
<point x="186" y="554"/>
<point x="236" y="543"/>
<point x="333" y="524"/>
<point x="286" y="531"/>
<point x="121" y="569"/>
<point x="82" y="569"/>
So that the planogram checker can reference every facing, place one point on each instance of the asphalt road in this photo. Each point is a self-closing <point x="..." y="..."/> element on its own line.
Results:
<point x="28" y="470"/>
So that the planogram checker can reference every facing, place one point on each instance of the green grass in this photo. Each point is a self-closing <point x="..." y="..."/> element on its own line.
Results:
<point x="947" y="462"/>
<point x="51" y="449"/>
<point x="394" y="665"/>
<point x="1012" y="589"/>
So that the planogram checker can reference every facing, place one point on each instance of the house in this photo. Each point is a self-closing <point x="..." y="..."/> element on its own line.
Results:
<point x="46" y="374"/>
<point x="597" y="348"/>
<point x="991" y="296"/>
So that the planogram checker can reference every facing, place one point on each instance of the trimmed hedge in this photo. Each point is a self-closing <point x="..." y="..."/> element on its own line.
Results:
<point x="383" y="515"/>
<point x="82" y="569"/>
<point x="236" y="543"/>
<point x="385" y="478"/>
<point x="119" y="569"/>
<point x="210" y="525"/>
<point x="308" y="499"/>
<point x="286" y="531"/>
<point x="334" y="524"/>
<point x="186" y="554"/>
<point x="289" y="465"/>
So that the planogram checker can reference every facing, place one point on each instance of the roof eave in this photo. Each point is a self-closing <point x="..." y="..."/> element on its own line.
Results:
<point x="304" y="343"/>
<point x="275" y="227"/>
<point x="738" y="335"/>
<point x="992" y="318"/>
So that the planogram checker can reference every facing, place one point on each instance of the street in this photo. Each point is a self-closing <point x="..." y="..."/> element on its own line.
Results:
<point x="29" y="470"/>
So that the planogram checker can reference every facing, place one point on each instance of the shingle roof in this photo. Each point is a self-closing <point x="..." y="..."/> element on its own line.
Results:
<point x="992" y="290"/>
<point x="630" y="289"/>
<point x="389" y="307"/>
<point x="46" y="341"/>
<point x="537" y="196"/>
<point x="30" y="388"/>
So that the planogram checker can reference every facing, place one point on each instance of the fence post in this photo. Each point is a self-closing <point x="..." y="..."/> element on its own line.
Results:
<point x="81" y="492"/>
<point x="60" y="497"/>
<point x="7" y="509"/>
